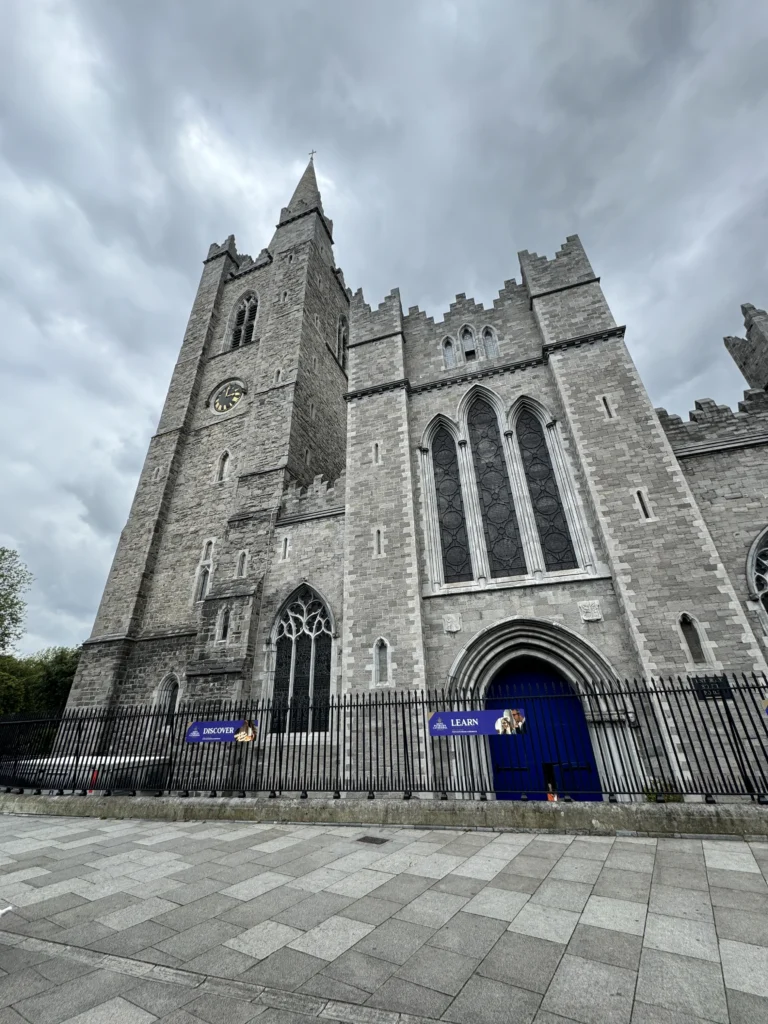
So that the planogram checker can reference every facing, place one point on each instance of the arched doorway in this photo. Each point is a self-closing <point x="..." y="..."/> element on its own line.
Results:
<point x="546" y="748"/>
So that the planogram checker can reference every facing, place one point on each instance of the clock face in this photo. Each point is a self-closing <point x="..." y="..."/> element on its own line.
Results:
<point x="228" y="396"/>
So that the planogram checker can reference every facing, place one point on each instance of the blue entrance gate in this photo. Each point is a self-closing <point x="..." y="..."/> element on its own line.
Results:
<point x="546" y="747"/>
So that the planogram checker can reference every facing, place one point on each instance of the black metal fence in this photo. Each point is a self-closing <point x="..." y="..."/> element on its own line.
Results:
<point x="658" y="739"/>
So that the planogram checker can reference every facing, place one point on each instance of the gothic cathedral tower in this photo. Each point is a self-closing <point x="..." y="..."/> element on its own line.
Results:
<point x="255" y="403"/>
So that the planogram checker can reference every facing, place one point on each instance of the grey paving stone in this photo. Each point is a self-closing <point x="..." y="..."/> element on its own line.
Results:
<point x="371" y="910"/>
<point x="286" y="968"/>
<point x="90" y="910"/>
<point x="679" y="859"/>
<point x="114" y="1011"/>
<point x="220" y="962"/>
<point x="156" y="956"/>
<point x="619" y="949"/>
<point x="9" y="1016"/>
<point x="643" y="1013"/>
<point x="131" y="940"/>
<point x="631" y="860"/>
<point x="432" y="909"/>
<point x="263" y="939"/>
<point x="679" y="935"/>
<point x="331" y="937"/>
<point x="310" y="912"/>
<point x="274" y="1016"/>
<point x="579" y="848"/>
<point x="554" y="892"/>
<point x="746" y="1008"/>
<point x="619" y="915"/>
<point x="217" y="1009"/>
<point x="395" y="941"/>
<point x="401" y="996"/>
<point x="623" y="885"/>
<point x="361" y="971"/>
<point x="527" y="961"/>
<point x="298" y="1002"/>
<point x="50" y="907"/>
<point x="744" y="881"/>
<point x="545" y="1017"/>
<point x="325" y="987"/>
<point x="205" y="909"/>
<point x="682" y="983"/>
<point x="74" y="997"/>
<point x="458" y="885"/>
<point x="20" y="984"/>
<point x="159" y="998"/>
<point x="469" y="934"/>
<point x="266" y="906"/>
<point x="529" y="867"/>
<point x="402" y="888"/>
<point x="194" y="891"/>
<point x="681" y="878"/>
<point x="674" y="902"/>
<point x="483" y="1001"/>
<point x="60" y="970"/>
<point x="83" y="934"/>
<point x="545" y="922"/>
<point x="577" y="869"/>
<point x="745" y="967"/>
<point x="516" y="883"/>
<point x="591" y="992"/>
<point x="197" y="940"/>
<point x="14" y="958"/>
<point x="743" y="925"/>
<point x="739" y="899"/>
<point x="439" y="969"/>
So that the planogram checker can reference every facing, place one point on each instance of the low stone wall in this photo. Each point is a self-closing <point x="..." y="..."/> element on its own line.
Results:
<point x="643" y="819"/>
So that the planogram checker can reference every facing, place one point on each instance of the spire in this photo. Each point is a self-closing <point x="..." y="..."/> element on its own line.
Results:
<point x="307" y="193"/>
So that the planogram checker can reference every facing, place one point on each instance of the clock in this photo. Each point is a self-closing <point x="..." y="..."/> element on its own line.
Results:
<point x="227" y="396"/>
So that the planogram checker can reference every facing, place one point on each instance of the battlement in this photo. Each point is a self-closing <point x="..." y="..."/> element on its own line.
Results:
<point x="569" y="267"/>
<point x="710" y="424"/>
<point x="367" y="323"/>
<point x="320" y="496"/>
<point x="751" y="353"/>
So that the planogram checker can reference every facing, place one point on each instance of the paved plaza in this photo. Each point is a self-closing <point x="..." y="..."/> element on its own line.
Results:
<point x="128" y="922"/>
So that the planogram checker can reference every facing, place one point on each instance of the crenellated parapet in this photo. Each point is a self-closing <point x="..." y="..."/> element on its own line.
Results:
<point x="569" y="267"/>
<point x="366" y="324"/>
<point x="751" y="353"/>
<point x="321" y="497"/>
<point x="713" y="427"/>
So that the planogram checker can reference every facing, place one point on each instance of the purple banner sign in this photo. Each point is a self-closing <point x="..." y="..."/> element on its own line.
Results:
<point x="241" y="731"/>
<point x="502" y="722"/>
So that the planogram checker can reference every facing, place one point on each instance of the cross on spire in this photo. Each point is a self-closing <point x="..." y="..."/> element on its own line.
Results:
<point x="312" y="153"/>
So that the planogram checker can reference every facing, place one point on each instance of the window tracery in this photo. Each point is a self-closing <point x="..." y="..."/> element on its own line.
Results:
<point x="545" y="497"/>
<point x="245" y="320"/>
<point x="302" y="683"/>
<point x="457" y="564"/>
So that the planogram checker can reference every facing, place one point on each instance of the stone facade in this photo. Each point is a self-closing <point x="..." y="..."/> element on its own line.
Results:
<point x="328" y="483"/>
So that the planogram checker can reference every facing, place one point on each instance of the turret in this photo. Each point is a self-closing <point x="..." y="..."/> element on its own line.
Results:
<point x="751" y="353"/>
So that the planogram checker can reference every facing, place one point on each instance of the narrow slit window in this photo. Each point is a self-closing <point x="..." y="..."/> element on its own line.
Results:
<point x="224" y="631"/>
<point x="207" y="551"/>
<point x="449" y="355"/>
<point x="277" y="376"/>
<point x="378" y="542"/>
<point x="381" y="665"/>
<point x="692" y="639"/>
<point x="202" y="583"/>
<point x="643" y="504"/>
<point x="607" y="407"/>
<point x="490" y="343"/>
<point x="223" y="471"/>
<point x="241" y="559"/>
<point x="376" y="452"/>
<point x="285" y="548"/>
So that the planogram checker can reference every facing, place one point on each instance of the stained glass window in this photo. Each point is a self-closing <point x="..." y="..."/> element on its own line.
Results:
<point x="502" y="534"/>
<point x="302" y="685"/>
<point x="761" y="571"/>
<point x="548" y="511"/>
<point x="457" y="565"/>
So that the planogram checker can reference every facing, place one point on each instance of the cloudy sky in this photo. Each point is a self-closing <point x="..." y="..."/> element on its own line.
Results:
<point x="449" y="135"/>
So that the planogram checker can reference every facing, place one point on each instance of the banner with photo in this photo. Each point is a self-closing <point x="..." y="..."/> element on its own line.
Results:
<point x="507" y="722"/>
<point x="240" y="731"/>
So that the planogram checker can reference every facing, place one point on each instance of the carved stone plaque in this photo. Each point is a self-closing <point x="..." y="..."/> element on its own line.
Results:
<point x="452" y="623"/>
<point x="590" y="611"/>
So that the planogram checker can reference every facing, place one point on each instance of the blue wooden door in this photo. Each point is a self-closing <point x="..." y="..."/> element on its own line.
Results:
<point x="547" y="746"/>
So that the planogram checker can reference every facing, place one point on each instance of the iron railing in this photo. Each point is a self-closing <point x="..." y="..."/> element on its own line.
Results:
<point x="656" y="739"/>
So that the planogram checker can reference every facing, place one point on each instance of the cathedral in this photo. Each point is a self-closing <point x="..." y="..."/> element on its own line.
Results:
<point x="343" y="498"/>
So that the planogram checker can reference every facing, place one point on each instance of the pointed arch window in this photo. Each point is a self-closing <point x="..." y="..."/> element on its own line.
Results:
<point x="757" y="573"/>
<point x="693" y="640"/>
<point x="342" y="340"/>
<point x="224" y="625"/>
<point x="245" y="320"/>
<point x="168" y="698"/>
<point x="552" y="526"/>
<point x="203" y="579"/>
<point x="381" y="662"/>
<point x="454" y="544"/>
<point x="449" y="354"/>
<point x="499" y="517"/>
<point x="490" y="343"/>
<point x="468" y="344"/>
<point x="222" y="471"/>
<point x="242" y="558"/>
<point x="302" y="682"/>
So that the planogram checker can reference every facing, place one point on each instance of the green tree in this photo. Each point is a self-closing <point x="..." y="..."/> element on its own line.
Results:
<point x="51" y="675"/>
<point x="15" y="579"/>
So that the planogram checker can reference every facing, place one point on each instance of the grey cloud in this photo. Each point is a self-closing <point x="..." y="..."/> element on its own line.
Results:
<point x="450" y="134"/>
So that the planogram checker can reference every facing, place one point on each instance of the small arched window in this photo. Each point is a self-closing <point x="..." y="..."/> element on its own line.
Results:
<point x="381" y="662"/>
<point x="245" y="320"/>
<point x="449" y="354"/>
<point x="223" y="469"/>
<point x="241" y="561"/>
<point x="342" y="341"/>
<point x="168" y="698"/>
<point x="490" y="343"/>
<point x="468" y="344"/>
<point x="203" y="578"/>
<point x="207" y="551"/>
<point x="692" y="639"/>
<point x="224" y="626"/>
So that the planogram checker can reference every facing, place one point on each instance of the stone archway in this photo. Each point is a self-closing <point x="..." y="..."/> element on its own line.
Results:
<point x="573" y="659"/>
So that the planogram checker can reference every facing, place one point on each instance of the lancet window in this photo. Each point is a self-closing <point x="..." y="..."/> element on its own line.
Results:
<point x="245" y="320"/>
<point x="495" y="500"/>
<point x="302" y="682"/>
